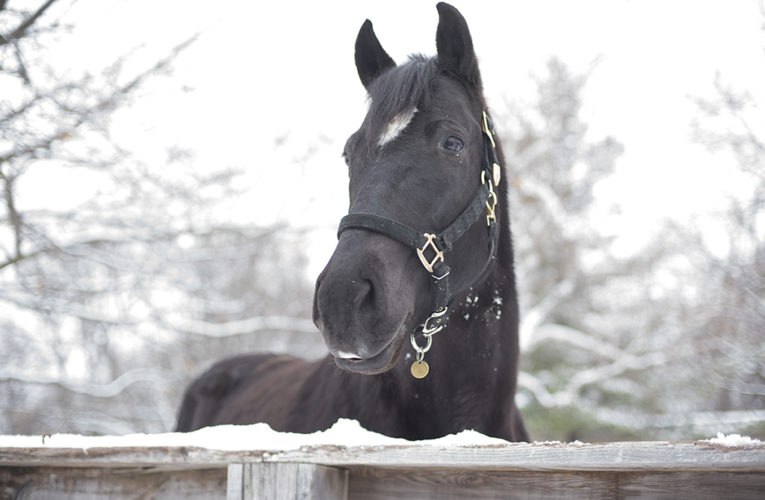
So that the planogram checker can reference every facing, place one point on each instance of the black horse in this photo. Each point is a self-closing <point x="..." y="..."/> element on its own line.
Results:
<point x="427" y="242"/>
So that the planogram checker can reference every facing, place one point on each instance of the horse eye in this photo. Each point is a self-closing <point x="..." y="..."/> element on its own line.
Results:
<point x="453" y="144"/>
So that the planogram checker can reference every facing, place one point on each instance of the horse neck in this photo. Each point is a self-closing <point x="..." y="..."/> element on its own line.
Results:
<point x="486" y="316"/>
<point x="483" y="325"/>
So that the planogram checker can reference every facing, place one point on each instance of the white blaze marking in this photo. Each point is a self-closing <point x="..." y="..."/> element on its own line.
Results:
<point x="396" y="126"/>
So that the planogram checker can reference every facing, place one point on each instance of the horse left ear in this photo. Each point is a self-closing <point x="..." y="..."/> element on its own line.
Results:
<point x="371" y="58"/>
<point x="455" y="46"/>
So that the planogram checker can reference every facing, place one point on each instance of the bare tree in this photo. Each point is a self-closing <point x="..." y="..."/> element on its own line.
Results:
<point x="106" y="302"/>
<point x="729" y="123"/>
<point x="605" y="339"/>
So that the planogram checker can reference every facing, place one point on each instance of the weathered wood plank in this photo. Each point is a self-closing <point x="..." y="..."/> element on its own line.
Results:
<point x="699" y="485"/>
<point x="325" y="483"/>
<point x="661" y="470"/>
<point x="170" y="456"/>
<point x="382" y="484"/>
<point x="282" y="481"/>
<point x="629" y="456"/>
<point x="43" y="483"/>
<point x="458" y="484"/>
<point x="616" y="457"/>
<point x="235" y="482"/>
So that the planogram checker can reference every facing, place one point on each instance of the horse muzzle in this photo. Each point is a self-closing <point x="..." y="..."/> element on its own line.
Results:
<point x="380" y="362"/>
<point x="364" y="302"/>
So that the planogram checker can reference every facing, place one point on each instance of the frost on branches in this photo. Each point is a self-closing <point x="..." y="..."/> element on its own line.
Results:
<point x="616" y="347"/>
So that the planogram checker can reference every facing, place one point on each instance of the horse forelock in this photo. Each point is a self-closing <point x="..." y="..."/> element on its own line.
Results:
<point x="396" y="95"/>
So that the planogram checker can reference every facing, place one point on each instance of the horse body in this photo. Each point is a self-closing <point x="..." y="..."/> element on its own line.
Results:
<point x="470" y="386"/>
<point x="417" y="160"/>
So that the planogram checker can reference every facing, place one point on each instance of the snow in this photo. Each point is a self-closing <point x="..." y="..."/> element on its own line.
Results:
<point x="574" y="444"/>
<point x="735" y="441"/>
<point x="344" y="432"/>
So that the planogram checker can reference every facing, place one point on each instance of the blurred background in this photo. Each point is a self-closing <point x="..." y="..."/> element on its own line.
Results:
<point x="171" y="182"/>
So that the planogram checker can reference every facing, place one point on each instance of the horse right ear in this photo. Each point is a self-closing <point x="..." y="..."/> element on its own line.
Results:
<point x="371" y="58"/>
<point x="455" y="45"/>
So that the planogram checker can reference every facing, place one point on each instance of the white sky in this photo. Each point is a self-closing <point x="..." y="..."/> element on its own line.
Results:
<point x="268" y="71"/>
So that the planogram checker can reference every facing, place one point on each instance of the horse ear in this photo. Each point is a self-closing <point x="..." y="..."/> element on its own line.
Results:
<point x="371" y="58"/>
<point x="455" y="46"/>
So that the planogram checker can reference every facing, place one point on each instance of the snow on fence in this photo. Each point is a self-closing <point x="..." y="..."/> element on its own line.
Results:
<point x="244" y="463"/>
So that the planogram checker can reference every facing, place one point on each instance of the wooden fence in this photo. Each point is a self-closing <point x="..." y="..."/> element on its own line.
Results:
<point x="539" y="470"/>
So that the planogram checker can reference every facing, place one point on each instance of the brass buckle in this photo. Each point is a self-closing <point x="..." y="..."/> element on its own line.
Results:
<point x="491" y="205"/>
<point x="421" y="253"/>
<point x="491" y="202"/>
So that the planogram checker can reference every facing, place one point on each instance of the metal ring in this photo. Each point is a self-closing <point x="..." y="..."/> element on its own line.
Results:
<point x="418" y="348"/>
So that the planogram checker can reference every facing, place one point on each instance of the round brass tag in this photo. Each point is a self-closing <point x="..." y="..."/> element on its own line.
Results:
<point x="420" y="369"/>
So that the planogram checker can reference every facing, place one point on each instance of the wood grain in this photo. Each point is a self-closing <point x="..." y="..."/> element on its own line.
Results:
<point x="521" y="470"/>
<point x="623" y="456"/>
<point x="626" y="456"/>
<point x="379" y="484"/>
<point x="287" y="482"/>
<point x="117" y="483"/>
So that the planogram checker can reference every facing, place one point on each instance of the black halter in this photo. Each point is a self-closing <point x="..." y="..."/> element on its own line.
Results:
<point x="430" y="247"/>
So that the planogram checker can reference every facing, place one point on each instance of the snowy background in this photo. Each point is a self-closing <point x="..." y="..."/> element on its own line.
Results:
<point x="172" y="182"/>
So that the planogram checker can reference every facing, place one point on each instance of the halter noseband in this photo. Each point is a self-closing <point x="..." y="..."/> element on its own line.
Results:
<point x="430" y="247"/>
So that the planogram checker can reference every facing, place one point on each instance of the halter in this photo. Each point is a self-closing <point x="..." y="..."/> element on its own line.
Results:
<point x="430" y="247"/>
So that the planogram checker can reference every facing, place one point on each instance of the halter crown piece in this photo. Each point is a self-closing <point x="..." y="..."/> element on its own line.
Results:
<point x="432" y="248"/>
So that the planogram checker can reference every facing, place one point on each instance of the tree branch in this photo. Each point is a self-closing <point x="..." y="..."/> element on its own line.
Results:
<point x="13" y="215"/>
<point x="108" y="103"/>
<point x="22" y="28"/>
<point x="109" y="390"/>
<point x="241" y="327"/>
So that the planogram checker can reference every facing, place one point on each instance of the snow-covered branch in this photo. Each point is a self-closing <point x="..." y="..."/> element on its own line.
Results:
<point x="109" y="390"/>
<point x="534" y="317"/>
<point x="560" y="333"/>
<point x="53" y="306"/>
<point x="531" y="189"/>
<point x="570" y="394"/>
<point x="619" y="366"/>
<point x="698" y="421"/>
<point x="532" y="384"/>
<point x="241" y="327"/>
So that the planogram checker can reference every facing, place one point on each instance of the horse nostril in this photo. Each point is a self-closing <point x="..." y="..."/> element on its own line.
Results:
<point x="364" y="301"/>
<point x="316" y="312"/>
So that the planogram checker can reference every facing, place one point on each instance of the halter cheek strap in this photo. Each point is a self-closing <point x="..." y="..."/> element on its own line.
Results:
<point x="431" y="247"/>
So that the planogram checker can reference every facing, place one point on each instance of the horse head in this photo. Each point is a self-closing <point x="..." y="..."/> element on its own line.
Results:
<point x="418" y="164"/>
